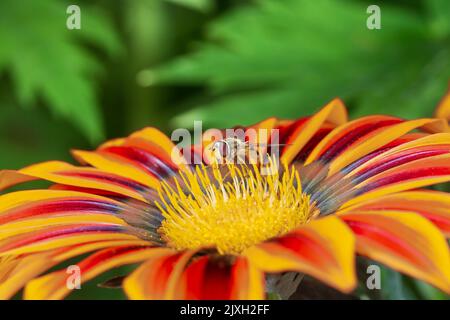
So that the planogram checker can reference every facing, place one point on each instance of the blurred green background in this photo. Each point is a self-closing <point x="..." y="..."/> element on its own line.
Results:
<point x="166" y="63"/>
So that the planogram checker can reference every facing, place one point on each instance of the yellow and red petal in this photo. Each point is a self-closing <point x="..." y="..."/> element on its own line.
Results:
<point x="443" y="108"/>
<point x="157" y="143"/>
<point x="53" y="285"/>
<point x="10" y="178"/>
<point x="386" y="150"/>
<point x="377" y="139"/>
<point x="323" y="248"/>
<point x="385" y="167"/>
<point x="412" y="175"/>
<point x="152" y="147"/>
<point x="34" y="203"/>
<point x="346" y="135"/>
<point x="355" y="153"/>
<point x="141" y="159"/>
<point x="84" y="177"/>
<point x="263" y="127"/>
<point x="62" y="236"/>
<point x="7" y="265"/>
<point x="248" y="281"/>
<point x="403" y="241"/>
<point x="214" y="278"/>
<point x="157" y="278"/>
<point x="15" y="228"/>
<point x="433" y="205"/>
<point x="36" y="220"/>
<point x="418" y="143"/>
<point x="115" y="164"/>
<point x="27" y="267"/>
<point x="301" y="132"/>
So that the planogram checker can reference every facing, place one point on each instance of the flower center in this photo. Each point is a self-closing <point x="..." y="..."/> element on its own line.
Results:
<point x="231" y="209"/>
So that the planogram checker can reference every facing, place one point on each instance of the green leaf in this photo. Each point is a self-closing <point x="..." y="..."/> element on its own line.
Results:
<point x="439" y="17"/>
<point x="200" y="5"/>
<point x="288" y="58"/>
<point x="49" y="62"/>
<point x="396" y="286"/>
<point x="411" y="90"/>
<point x="393" y="286"/>
<point x="428" y="292"/>
<point x="30" y="136"/>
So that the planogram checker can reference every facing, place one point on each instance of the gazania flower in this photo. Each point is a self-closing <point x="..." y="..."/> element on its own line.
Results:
<point x="212" y="231"/>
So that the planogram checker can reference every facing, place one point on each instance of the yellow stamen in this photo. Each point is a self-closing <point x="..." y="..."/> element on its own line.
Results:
<point x="231" y="211"/>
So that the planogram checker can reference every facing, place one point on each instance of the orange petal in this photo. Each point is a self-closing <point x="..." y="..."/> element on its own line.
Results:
<point x="443" y="109"/>
<point x="158" y="277"/>
<point x="10" y="178"/>
<point x="403" y="241"/>
<point x="323" y="248"/>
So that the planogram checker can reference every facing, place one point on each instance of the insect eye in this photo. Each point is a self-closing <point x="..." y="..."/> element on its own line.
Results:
<point x="221" y="148"/>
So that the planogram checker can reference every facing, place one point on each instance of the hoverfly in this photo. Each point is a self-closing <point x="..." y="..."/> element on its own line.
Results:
<point x="235" y="150"/>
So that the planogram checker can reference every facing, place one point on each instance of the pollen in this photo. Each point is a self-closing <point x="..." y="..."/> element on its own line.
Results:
<point x="231" y="208"/>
